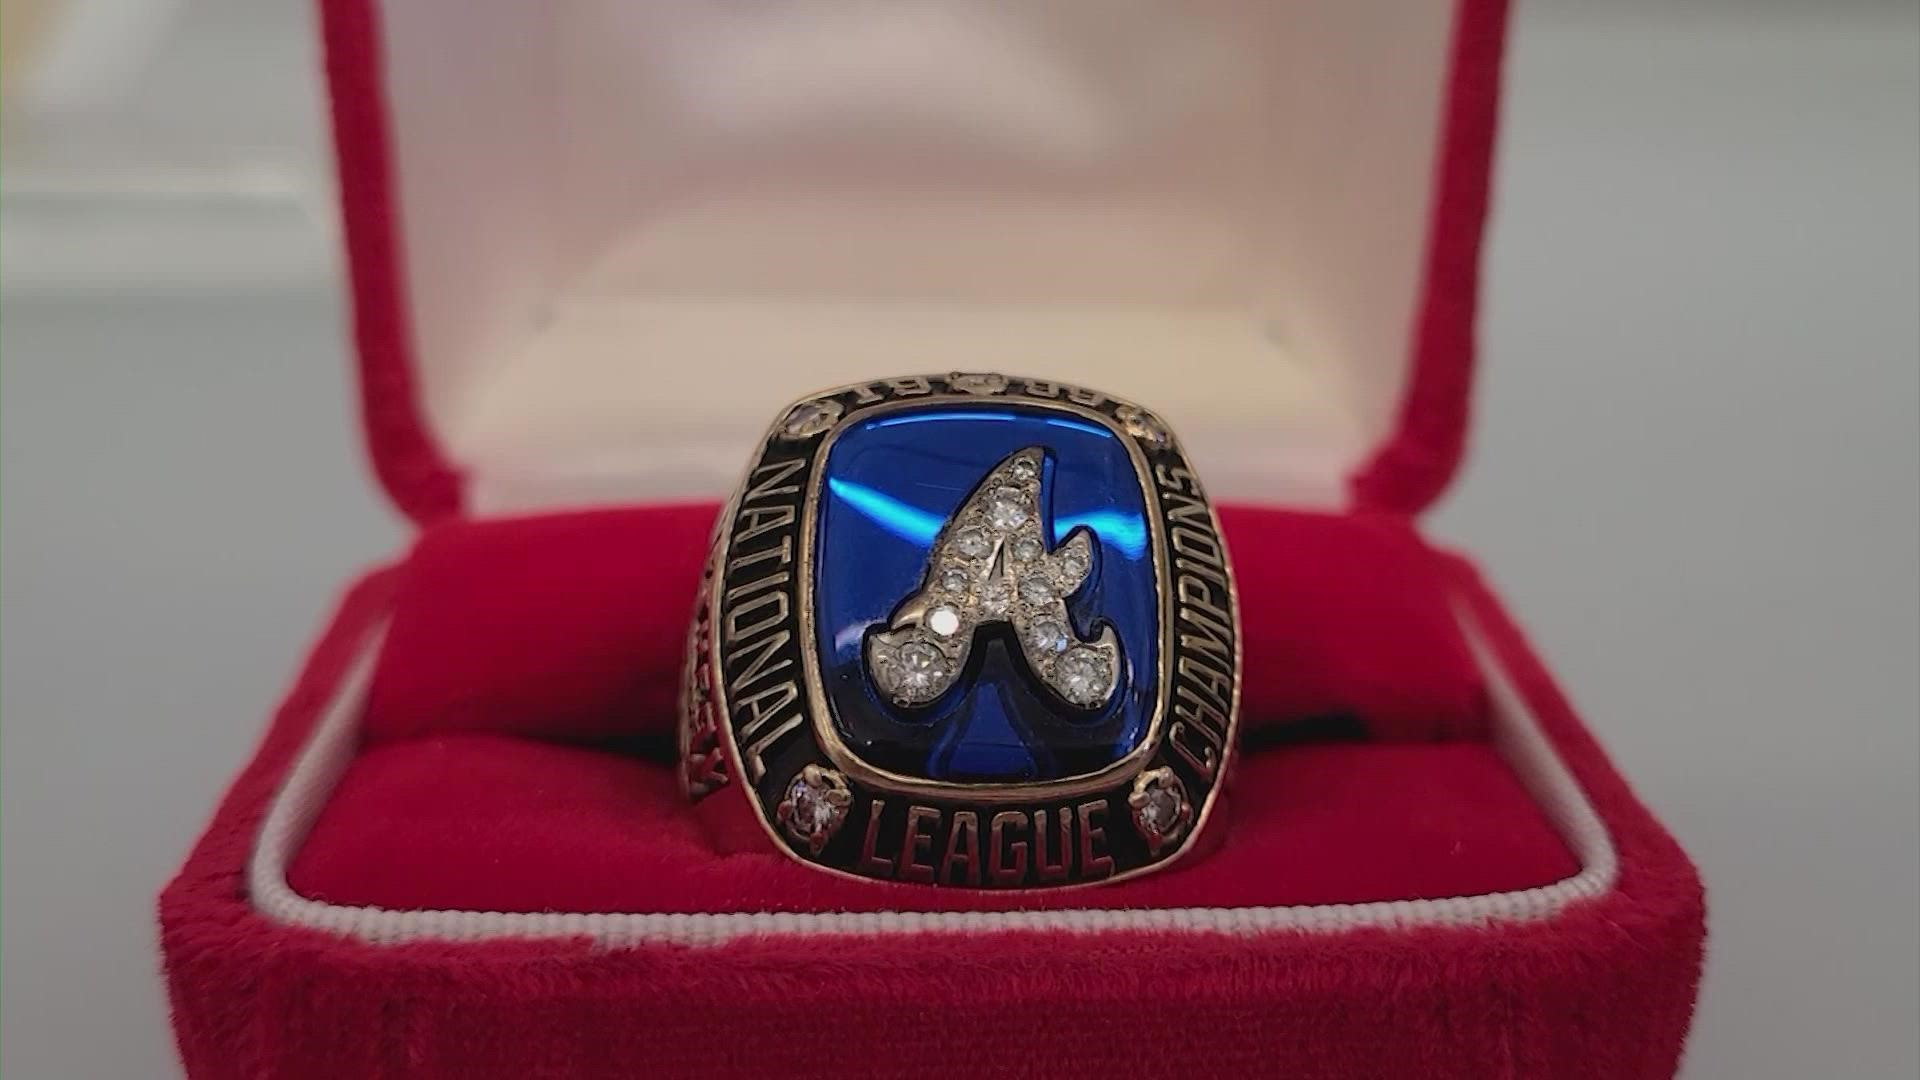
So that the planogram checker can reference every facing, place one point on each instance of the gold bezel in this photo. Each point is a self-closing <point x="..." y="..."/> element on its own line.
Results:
<point x="882" y="782"/>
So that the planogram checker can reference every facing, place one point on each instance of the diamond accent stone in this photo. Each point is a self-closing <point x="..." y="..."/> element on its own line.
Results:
<point x="1036" y="589"/>
<point x="985" y="382"/>
<point x="972" y="542"/>
<point x="918" y="671"/>
<point x="1007" y="508"/>
<point x="996" y="600"/>
<point x="943" y="620"/>
<point x="814" y="806"/>
<point x="1073" y="566"/>
<point x="1048" y="636"/>
<point x="1072" y="561"/>
<point x="1160" y="810"/>
<point x="955" y="579"/>
<point x="811" y="811"/>
<point x="1143" y="425"/>
<point x="1026" y="549"/>
<point x="1024" y="469"/>
<point x="1083" y="677"/>
<point x="810" y="418"/>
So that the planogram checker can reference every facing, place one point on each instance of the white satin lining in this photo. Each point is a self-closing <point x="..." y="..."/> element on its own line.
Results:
<point x="626" y="221"/>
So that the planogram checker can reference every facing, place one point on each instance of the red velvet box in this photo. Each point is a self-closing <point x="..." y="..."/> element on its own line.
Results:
<point x="595" y="245"/>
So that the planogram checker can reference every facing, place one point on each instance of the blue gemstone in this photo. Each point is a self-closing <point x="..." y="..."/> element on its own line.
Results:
<point x="891" y="484"/>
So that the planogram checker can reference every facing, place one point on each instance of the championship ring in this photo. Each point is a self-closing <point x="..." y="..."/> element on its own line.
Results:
<point x="966" y="630"/>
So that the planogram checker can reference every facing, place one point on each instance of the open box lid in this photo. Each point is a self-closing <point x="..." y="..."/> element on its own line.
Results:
<point x="595" y="245"/>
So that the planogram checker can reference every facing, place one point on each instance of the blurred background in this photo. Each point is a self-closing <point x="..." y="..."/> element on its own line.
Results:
<point x="1695" y="473"/>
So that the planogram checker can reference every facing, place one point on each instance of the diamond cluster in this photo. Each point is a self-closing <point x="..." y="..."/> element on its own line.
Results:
<point x="990" y="564"/>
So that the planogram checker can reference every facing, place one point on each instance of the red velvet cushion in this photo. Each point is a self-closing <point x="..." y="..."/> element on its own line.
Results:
<point x="518" y="648"/>
<point x="571" y="626"/>
<point x="503" y="823"/>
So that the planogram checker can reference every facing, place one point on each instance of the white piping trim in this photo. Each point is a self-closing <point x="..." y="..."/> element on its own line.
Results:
<point x="331" y="746"/>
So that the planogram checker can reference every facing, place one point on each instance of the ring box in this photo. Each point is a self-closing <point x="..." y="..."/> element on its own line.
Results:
<point x="595" y="246"/>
